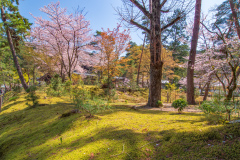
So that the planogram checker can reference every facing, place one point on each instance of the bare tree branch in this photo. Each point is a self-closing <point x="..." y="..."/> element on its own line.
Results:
<point x="171" y="23"/>
<point x="139" y="26"/>
<point x="165" y="11"/>
<point x="162" y="4"/>
<point x="143" y="9"/>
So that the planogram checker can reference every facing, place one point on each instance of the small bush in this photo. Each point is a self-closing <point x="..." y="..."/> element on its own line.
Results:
<point x="76" y="78"/>
<point x="68" y="87"/>
<point x="159" y="103"/>
<point x="207" y="107"/>
<point x="55" y="88"/>
<point x="94" y="106"/>
<point x="218" y="106"/>
<point x="179" y="104"/>
<point x="32" y="96"/>
<point x="88" y="101"/>
<point x="94" y="91"/>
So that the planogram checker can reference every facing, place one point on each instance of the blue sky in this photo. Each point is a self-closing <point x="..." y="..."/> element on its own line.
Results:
<point x="100" y="13"/>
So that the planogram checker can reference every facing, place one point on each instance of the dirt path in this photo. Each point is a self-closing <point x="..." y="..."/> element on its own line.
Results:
<point x="167" y="107"/>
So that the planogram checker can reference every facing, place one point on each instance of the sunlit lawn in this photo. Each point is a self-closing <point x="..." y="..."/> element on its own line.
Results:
<point x="119" y="133"/>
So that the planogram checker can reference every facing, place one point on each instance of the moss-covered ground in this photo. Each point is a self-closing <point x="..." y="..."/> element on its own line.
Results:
<point x="119" y="133"/>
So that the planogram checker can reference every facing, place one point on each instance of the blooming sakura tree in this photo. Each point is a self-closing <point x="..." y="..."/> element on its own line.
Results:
<point x="223" y="62"/>
<point x="65" y="37"/>
<point x="111" y="45"/>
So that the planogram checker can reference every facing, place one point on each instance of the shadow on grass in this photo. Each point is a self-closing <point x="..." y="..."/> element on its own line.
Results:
<point x="146" y="110"/>
<point x="124" y="144"/>
<point x="32" y="126"/>
<point x="168" y="144"/>
<point x="11" y="104"/>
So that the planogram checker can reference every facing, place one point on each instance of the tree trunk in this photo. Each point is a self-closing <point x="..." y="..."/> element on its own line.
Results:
<point x="192" y="56"/>
<point x="235" y="18"/>
<point x="28" y="78"/>
<point x="207" y="88"/>
<point x="19" y="70"/>
<point x="156" y="63"/>
<point x="206" y="91"/>
<point x="61" y="73"/>
<point x="230" y="93"/>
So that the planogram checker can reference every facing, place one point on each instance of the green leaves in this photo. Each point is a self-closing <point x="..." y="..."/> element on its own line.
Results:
<point x="179" y="104"/>
<point x="17" y="24"/>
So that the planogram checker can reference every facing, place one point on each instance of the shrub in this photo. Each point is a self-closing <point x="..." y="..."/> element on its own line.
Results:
<point x="68" y="86"/>
<point x="76" y="78"/>
<point x="94" y="106"/>
<point x="80" y="95"/>
<point x="207" y="107"/>
<point x="179" y="104"/>
<point x="81" y="99"/>
<point x="218" y="106"/>
<point x="32" y="96"/>
<point x="94" y="91"/>
<point x="55" y="88"/>
<point x="159" y="103"/>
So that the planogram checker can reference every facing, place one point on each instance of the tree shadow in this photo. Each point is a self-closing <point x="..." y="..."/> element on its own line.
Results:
<point x="29" y="128"/>
<point x="166" y="144"/>
<point x="11" y="104"/>
<point x="32" y="127"/>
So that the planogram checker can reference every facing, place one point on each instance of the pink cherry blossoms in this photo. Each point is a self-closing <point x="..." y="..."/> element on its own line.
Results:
<point x="64" y="37"/>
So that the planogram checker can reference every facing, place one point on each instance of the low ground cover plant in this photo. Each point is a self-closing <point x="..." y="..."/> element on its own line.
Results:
<point x="32" y="98"/>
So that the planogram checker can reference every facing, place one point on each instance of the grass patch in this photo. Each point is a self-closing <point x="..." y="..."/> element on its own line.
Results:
<point x="119" y="133"/>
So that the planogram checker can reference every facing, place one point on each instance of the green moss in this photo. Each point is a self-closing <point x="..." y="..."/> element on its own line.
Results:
<point x="119" y="133"/>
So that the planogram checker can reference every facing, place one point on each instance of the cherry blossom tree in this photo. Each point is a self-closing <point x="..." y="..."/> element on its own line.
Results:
<point x="223" y="62"/>
<point x="65" y="37"/>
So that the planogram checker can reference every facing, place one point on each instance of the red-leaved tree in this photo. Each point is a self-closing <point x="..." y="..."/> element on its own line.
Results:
<point x="112" y="43"/>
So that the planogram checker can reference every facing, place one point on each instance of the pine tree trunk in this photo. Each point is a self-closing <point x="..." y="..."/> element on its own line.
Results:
<point x="235" y="17"/>
<point x="19" y="70"/>
<point x="192" y="56"/>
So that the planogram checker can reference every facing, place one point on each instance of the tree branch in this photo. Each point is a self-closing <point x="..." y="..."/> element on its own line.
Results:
<point x="171" y="23"/>
<point x="143" y="9"/>
<point x="162" y="4"/>
<point x="235" y="18"/>
<point x="140" y="26"/>
<point x="165" y="11"/>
